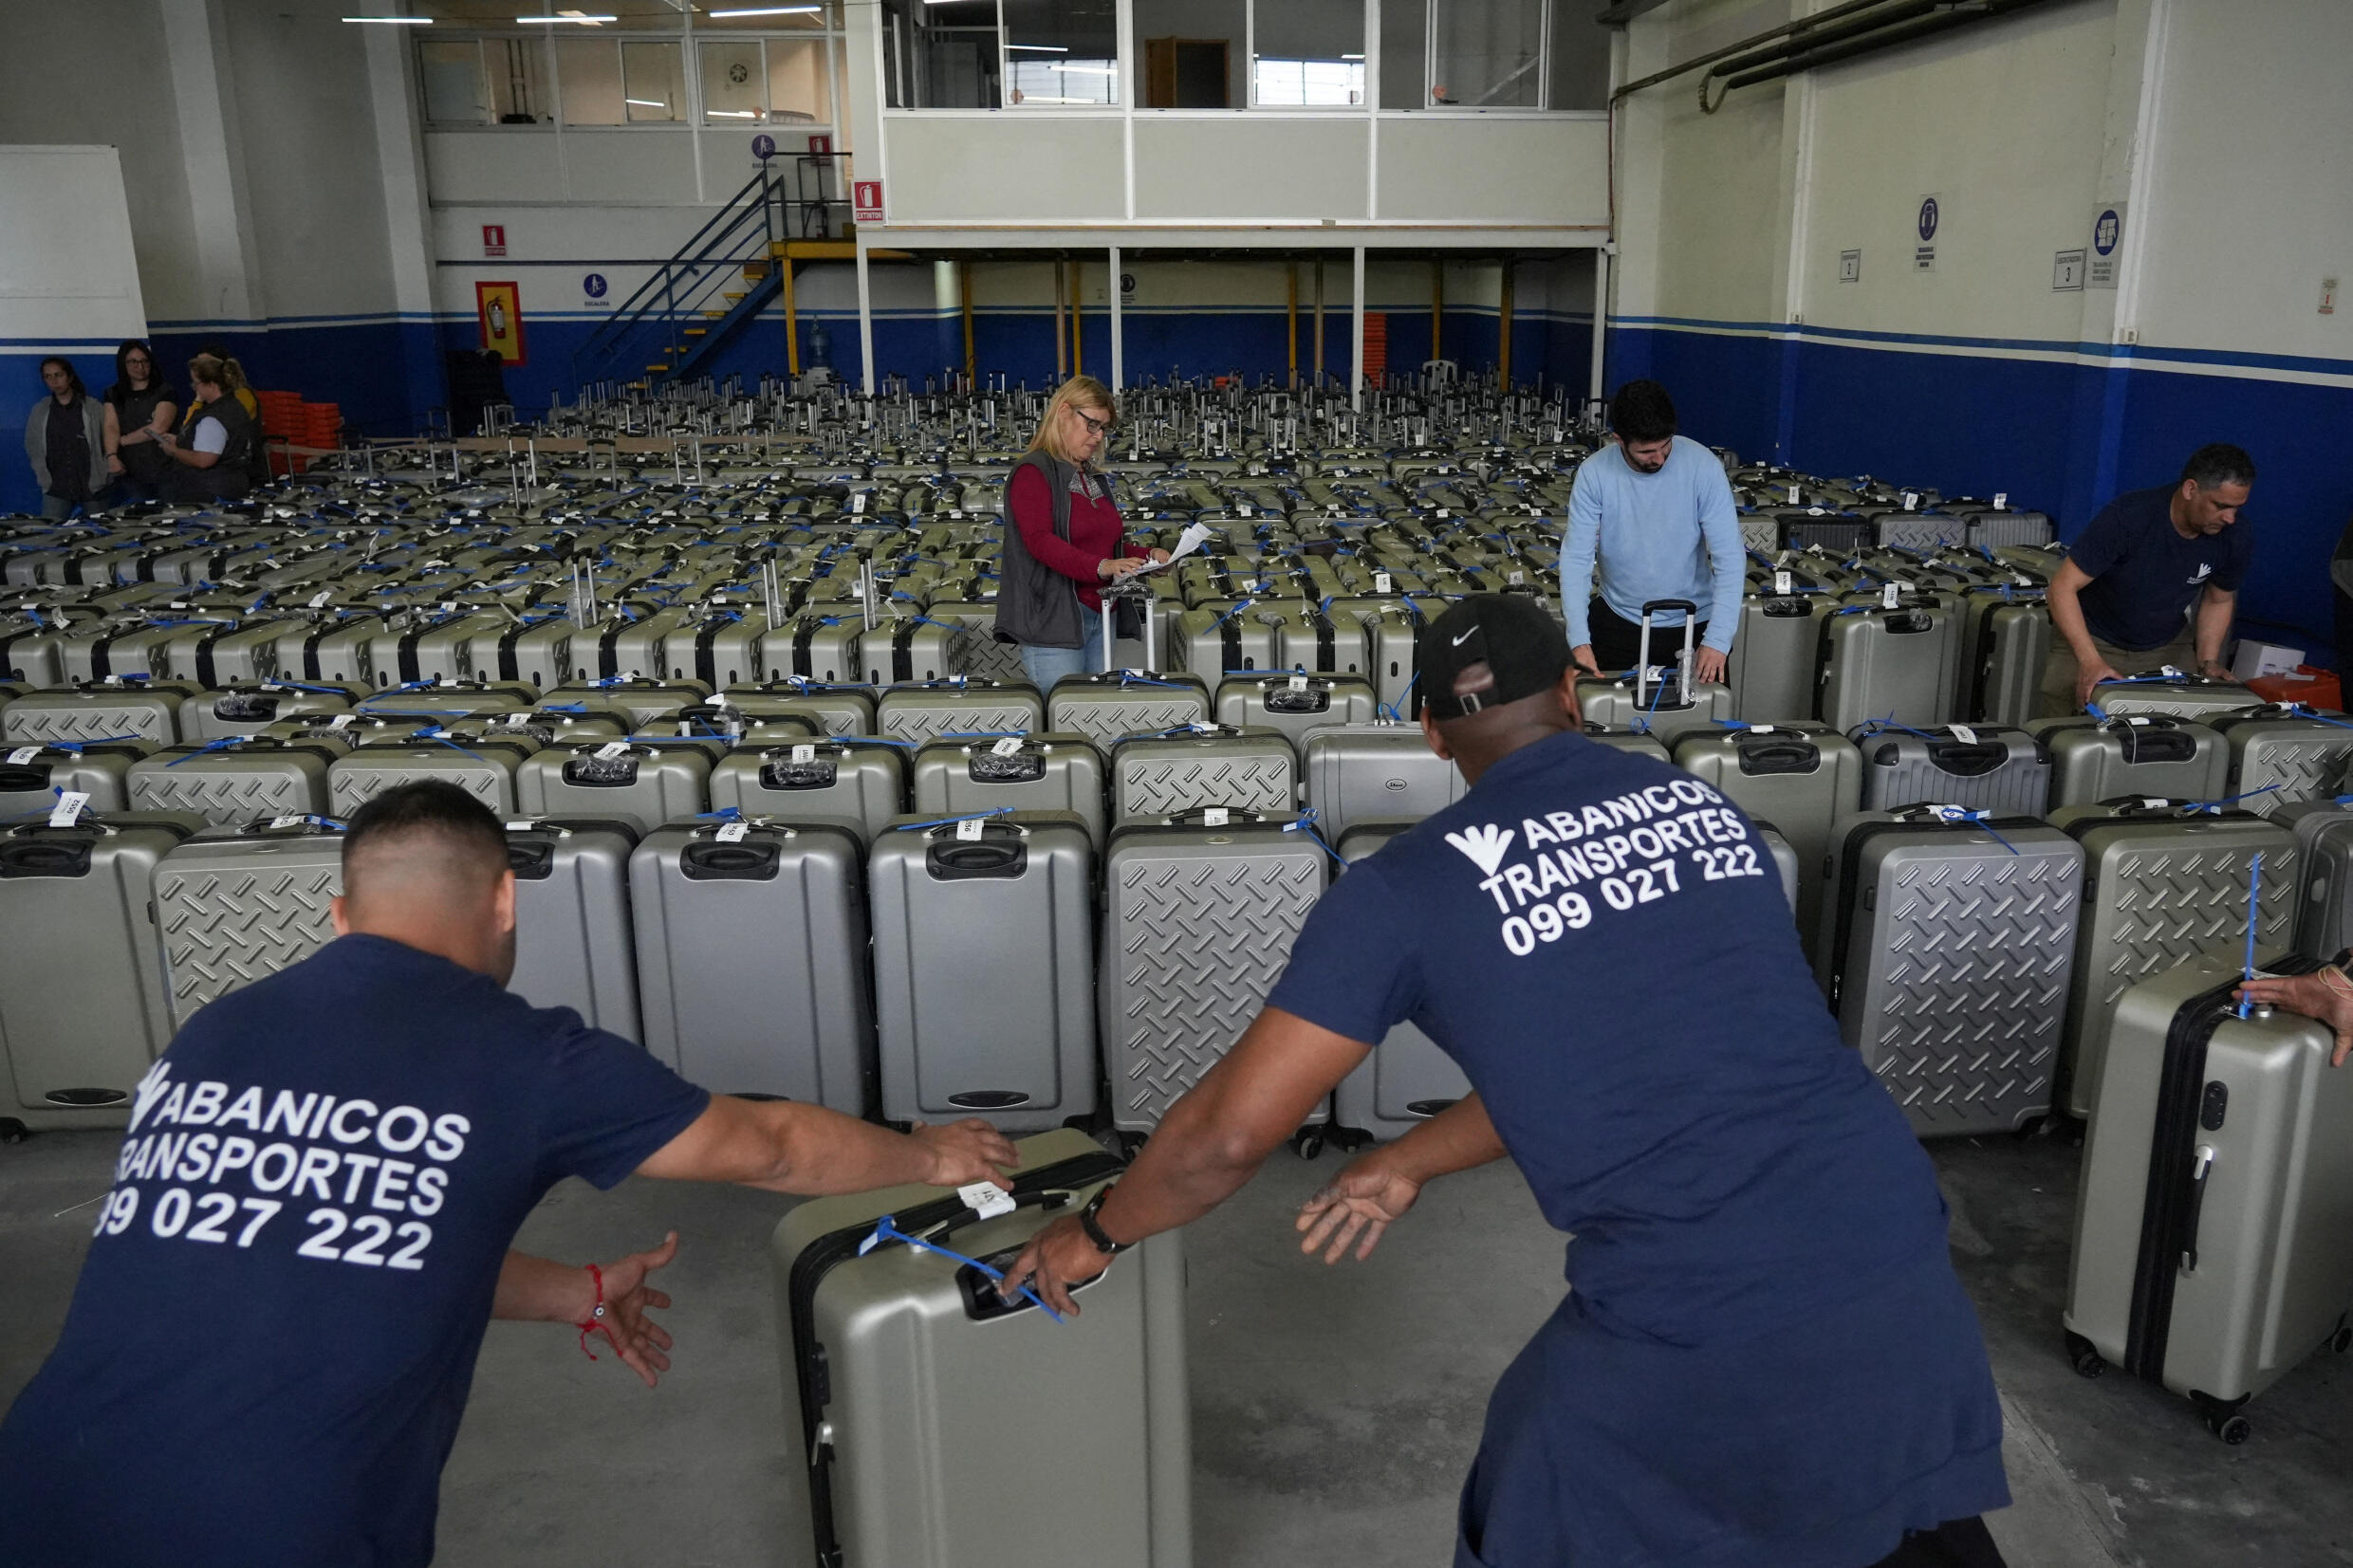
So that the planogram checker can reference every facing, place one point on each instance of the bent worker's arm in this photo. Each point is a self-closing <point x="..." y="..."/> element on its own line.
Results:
<point x="2066" y="619"/>
<point x="540" y="1290"/>
<point x="1377" y="1189"/>
<point x="785" y="1146"/>
<point x="2215" y="610"/>
<point x="1458" y="1138"/>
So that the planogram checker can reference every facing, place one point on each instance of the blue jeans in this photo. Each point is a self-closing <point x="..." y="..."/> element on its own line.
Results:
<point x="1048" y="665"/>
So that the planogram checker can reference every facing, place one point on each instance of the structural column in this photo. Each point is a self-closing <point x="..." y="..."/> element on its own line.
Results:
<point x="865" y="319"/>
<point x="1119" y="348"/>
<point x="1356" y="365"/>
<point x="1600" y="317"/>
<point x="227" y="262"/>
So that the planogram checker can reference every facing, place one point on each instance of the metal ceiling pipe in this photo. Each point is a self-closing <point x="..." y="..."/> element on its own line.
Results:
<point x="1906" y="32"/>
<point x="1889" y="13"/>
<point x="1745" y="45"/>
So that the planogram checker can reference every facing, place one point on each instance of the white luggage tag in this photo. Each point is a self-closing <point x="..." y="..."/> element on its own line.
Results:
<point x="68" y="808"/>
<point x="1297" y="683"/>
<point x="1793" y="495"/>
<point x="987" y="1199"/>
<point x="1213" y="816"/>
<point x="2172" y="674"/>
<point x="1515" y="579"/>
<point x="1008" y="746"/>
<point x="1891" y="597"/>
<point x="732" y="833"/>
<point x="2001" y="501"/>
<point x="1911" y="501"/>
<point x="22" y="755"/>
<point x="968" y="829"/>
<point x="1784" y="582"/>
<point x="342" y="721"/>
<point x="293" y="818"/>
<point x="1382" y="582"/>
<point x="612" y="749"/>
<point x="805" y="752"/>
<point x="1760" y="730"/>
<point x="1964" y="734"/>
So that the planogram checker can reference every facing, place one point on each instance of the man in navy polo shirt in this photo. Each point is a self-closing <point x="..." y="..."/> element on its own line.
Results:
<point x="271" y="1344"/>
<point x="1766" y="1361"/>
<point x="2122" y="601"/>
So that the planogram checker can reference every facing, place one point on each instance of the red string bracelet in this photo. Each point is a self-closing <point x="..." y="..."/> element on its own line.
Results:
<point x="595" y="1315"/>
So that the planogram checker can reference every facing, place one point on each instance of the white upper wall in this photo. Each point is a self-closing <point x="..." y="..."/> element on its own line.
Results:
<point x="67" y="271"/>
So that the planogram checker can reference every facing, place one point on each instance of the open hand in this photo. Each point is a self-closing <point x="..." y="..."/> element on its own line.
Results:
<point x="2314" y="995"/>
<point x="1708" y="664"/>
<point x="2087" y="676"/>
<point x="641" y="1343"/>
<point x="965" y="1152"/>
<point x="1366" y="1197"/>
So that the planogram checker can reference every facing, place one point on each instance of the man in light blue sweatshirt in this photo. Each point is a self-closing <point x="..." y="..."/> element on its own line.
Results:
<point x="1659" y="512"/>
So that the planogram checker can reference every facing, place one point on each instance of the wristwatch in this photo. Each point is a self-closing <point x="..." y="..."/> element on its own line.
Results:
<point x="1088" y="1222"/>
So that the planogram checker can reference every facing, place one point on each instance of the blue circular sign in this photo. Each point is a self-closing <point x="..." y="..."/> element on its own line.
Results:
<point x="593" y="286"/>
<point x="1929" y="217"/>
<point x="764" y="145"/>
<point x="2105" y="232"/>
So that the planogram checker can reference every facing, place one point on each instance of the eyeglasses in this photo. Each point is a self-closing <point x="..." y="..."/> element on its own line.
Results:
<point x="1101" y="427"/>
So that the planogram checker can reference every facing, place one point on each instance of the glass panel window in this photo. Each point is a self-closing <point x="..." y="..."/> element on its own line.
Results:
<point x="1580" y="51"/>
<point x="1062" y="51"/>
<point x="1404" y="54"/>
<point x="653" y="82"/>
<point x="768" y="15"/>
<point x="456" y="92"/>
<point x="518" y="70"/>
<point x="1193" y="52"/>
<point x="796" y="82"/>
<point x="1309" y="53"/>
<point x="588" y="73"/>
<point x="941" y="56"/>
<point x="1487" y="54"/>
<point x="734" y="82"/>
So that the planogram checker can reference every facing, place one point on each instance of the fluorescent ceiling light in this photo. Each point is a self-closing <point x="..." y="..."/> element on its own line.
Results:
<point x="395" y="21"/>
<point x="770" y="11"/>
<point x="648" y="102"/>
<point x="1351" y="57"/>
<point x="1042" y="48"/>
<point x="1083" y="70"/>
<point x="570" y="16"/>
<point x="731" y="114"/>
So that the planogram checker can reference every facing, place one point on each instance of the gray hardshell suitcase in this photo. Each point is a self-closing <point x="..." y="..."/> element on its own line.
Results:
<point x="1406" y="1079"/>
<point x="906" y="648"/>
<point x="98" y="711"/>
<point x="248" y="708"/>
<point x="2146" y="754"/>
<point x="1202" y="764"/>
<point x="2164" y="881"/>
<point x="117" y="648"/>
<point x="1995" y="529"/>
<point x="83" y="1013"/>
<point x="573" y="943"/>
<point x="568" y="725"/>
<point x="1637" y="741"/>
<point x="1367" y="772"/>
<point x="2005" y="643"/>
<point x="237" y="780"/>
<point x="2209" y="1245"/>
<point x="35" y="776"/>
<point x="1771" y="670"/>
<point x="225" y="651"/>
<point x="1653" y="699"/>
<point x="900" y="1362"/>
<point x="642" y="782"/>
<point x="1986" y="767"/>
<point x="984" y="970"/>
<point x="1951" y="944"/>
<point x="816" y="646"/>
<point x="1223" y="636"/>
<point x="1108" y="708"/>
<point x="1883" y="664"/>
<point x="642" y="698"/>
<point x="1198" y="919"/>
<point x="752" y="977"/>
<point x="1803" y="778"/>
<point x="481" y="765"/>
<point x="858" y="785"/>
<point x="332" y="646"/>
<point x="1042" y="772"/>
<point x="2183" y="696"/>
<point x="929" y="710"/>
<point x="1297" y="704"/>
<point x="235" y="904"/>
<point x="2325" y="874"/>
<point x="838" y="709"/>
<point x="2280" y="753"/>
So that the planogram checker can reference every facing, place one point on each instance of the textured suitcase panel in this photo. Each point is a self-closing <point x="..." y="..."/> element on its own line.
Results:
<point x="233" y="909"/>
<point x="1198" y="927"/>
<point x="2165" y="887"/>
<point x="1955" y="977"/>
<point x="1107" y="708"/>
<point x="95" y="715"/>
<point x="1254" y="770"/>
<point x="1983" y="768"/>
<point x="2185" y="696"/>
<point x="2278" y="759"/>
<point x="488" y="774"/>
<point x="228" y="789"/>
<point x="916" y="714"/>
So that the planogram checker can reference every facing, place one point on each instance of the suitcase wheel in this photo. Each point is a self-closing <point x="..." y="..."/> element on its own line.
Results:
<point x="1307" y="1143"/>
<point x="2341" y="1341"/>
<point x="13" y="1131"/>
<point x="2223" y="1419"/>
<point x="2088" y="1362"/>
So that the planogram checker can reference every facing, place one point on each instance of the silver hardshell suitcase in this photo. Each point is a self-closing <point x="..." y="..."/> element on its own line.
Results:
<point x="35" y="776"/>
<point x="642" y="698"/>
<point x="929" y="710"/>
<point x="1655" y="699"/>
<point x="2323" y="832"/>
<point x="1375" y="772"/>
<point x="815" y="647"/>
<point x="83" y="1011"/>
<point x="98" y="710"/>
<point x="235" y="904"/>
<point x="574" y="946"/>
<point x="1297" y="704"/>
<point x="2005" y="642"/>
<point x="1884" y="664"/>
<point x="2209" y="1245"/>
<point x="1202" y="764"/>
<point x="2183" y="696"/>
<point x="1803" y="778"/>
<point x="1986" y="767"/>
<point x="642" y="782"/>
<point x="2282" y="753"/>
<point x="248" y="708"/>
<point x="2153" y="755"/>
<point x="838" y="709"/>
<point x="1041" y="772"/>
<point x="2165" y="881"/>
<point x="1950" y="947"/>
<point x="899" y="1363"/>
<point x="237" y="780"/>
<point x="1406" y="1079"/>
<point x="859" y="784"/>
<point x="1200" y="910"/>
<point x="750" y="942"/>
<point x="1772" y="665"/>
<point x="984" y="970"/>
<point x="483" y="765"/>
<point x="1108" y="708"/>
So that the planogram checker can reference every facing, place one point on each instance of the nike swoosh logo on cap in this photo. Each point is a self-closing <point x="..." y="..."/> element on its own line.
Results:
<point x="1464" y="638"/>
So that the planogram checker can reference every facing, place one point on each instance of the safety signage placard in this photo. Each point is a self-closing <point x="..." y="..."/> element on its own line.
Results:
<point x="866" y="201"/>
<point x="493" y="239"/>
<point x="2107" y="245"/>
<point x="499" y="306"/>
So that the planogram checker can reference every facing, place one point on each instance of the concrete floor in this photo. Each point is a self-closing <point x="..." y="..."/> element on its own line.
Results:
<point x="1334" y="1409"/>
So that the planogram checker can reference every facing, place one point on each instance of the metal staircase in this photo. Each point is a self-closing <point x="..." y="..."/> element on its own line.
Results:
<point x="733" y="267"/>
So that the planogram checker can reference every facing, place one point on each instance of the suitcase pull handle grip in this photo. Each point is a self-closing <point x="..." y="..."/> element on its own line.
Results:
<point x="1765" y="754"/>
<point x="46" y="857"/>
<point x="963" y="861"/>
<point x="2201" y="1166"/>
<point x="708" y="861"/>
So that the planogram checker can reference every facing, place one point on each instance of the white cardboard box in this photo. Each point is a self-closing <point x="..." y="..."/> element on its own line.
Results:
<point x="2264" y="658"/>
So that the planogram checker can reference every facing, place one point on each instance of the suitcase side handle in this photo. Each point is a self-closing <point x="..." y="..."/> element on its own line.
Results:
<point x="749" y="860"/>
<point x="1776" y="753"/>
<point x="982" y="860"/>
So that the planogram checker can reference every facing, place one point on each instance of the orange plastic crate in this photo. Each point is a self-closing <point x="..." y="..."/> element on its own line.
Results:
<point x="2313" y="687"/>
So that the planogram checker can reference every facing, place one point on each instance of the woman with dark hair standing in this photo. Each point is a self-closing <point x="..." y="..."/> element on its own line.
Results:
<point x="1066" y="538"/>
<point x="212" y="463"/>
<point x="140" y="407"/>
<point x="65" y="442"/>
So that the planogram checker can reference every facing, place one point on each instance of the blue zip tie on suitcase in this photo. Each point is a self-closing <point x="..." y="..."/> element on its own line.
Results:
<point x="221" y="744"/>
<point x="1304" y="823"/>
<point x="276" y="684"/>
<point x="984" y="736"/>
<point x="1982" y="819"/>
<point x="1394" y="710"/>
<point x="947" y="822"/>
<point x="1878" y="727"/>
<point x="435" y="732"/>
<point x="2254" y="895"/>
<point x="2218" y="805"/>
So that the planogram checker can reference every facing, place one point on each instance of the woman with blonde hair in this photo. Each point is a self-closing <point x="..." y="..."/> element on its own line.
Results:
<point x="215" y="462"/>
<point x="1063" y="537"/>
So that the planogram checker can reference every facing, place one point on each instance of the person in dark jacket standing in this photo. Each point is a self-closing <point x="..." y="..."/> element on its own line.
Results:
<point x="1066" y="538"/>
<point x="65" y="442"/>
<point x="213" y="462"/>
<point x="140" y="408"/>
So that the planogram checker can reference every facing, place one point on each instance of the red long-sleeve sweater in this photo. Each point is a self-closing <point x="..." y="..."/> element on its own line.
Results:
<point x="1096" y="530"/>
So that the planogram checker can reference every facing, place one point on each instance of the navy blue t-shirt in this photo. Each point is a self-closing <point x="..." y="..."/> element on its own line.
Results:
<point x="2144" y="575"/>
<point x="271" y="1341"/>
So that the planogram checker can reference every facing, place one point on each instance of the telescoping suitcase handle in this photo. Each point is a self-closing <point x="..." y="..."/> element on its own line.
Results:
<point x="1641" y="656"/>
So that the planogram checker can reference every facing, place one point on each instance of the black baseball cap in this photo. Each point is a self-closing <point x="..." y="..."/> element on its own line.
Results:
<point x="1488" y="649"/>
